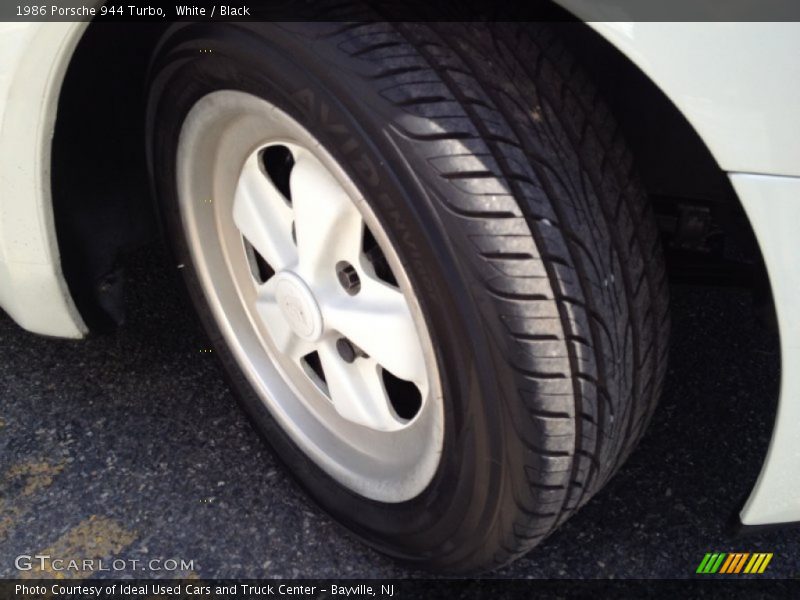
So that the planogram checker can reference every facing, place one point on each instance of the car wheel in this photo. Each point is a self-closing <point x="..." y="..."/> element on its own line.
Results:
<point x="425" y="263"/>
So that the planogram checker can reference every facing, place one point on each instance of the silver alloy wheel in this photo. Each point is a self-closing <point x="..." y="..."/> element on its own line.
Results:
<point x="310" y="296"/>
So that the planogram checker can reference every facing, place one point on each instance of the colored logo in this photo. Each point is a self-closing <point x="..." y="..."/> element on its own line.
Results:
<point x="734" y="563"/>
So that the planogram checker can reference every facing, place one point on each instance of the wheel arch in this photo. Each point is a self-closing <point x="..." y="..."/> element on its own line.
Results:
<point x="32" y="67"/>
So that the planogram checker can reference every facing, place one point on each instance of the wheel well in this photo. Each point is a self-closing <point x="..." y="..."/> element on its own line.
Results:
<point x="101" y="196"/>
<point x="103" y="208"/>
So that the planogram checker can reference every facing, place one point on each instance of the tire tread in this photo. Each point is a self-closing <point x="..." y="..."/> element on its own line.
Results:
<point x="515" y="127"/>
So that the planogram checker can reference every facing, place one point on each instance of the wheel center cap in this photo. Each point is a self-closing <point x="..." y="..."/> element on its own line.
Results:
<point x="298" y="305"/>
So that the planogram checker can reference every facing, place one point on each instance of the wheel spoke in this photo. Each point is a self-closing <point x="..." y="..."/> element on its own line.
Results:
<point x="263" y="216"/>
<point x="356" y="390"/>
<point x="378" y="320"/>
<point x="285" y="340"/>
<point x="329" y="226"/>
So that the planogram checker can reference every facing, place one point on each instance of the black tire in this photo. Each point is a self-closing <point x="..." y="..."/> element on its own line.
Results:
<point x="503" y="182"/>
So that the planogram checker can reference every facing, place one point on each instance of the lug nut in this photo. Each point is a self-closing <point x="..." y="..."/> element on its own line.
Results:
<point x="348" y="277"/>
<point x="346" y="350"/>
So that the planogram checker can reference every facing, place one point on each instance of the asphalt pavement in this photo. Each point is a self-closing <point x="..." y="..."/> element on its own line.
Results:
<point x="131" y="445"/>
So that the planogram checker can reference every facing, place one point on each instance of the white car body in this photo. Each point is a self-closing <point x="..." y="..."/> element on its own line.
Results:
<point x="737" y="84"/>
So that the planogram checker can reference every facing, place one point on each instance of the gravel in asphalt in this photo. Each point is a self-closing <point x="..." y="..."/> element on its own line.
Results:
<point x="131" y="445"/>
